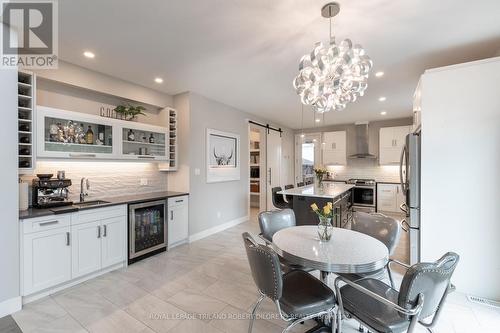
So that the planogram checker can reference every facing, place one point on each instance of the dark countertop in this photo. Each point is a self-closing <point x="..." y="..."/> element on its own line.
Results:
<point x="113" y="201"/>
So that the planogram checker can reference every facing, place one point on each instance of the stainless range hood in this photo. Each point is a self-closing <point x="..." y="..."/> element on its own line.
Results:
<point x="362" y="147"/>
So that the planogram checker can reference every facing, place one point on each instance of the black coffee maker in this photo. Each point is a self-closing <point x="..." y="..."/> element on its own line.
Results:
<point x="49" y="192"/>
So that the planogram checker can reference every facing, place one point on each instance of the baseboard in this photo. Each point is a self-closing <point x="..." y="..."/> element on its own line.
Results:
<point x="217" y="228"/>
<point x="10" y="306"/>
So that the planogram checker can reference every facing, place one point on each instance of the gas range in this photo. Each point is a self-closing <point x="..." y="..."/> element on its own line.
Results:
<point x="364" y="198"/>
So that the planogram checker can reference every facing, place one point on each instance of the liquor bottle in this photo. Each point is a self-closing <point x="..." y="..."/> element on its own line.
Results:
<point x="24" y="151"/>
<point x="100" y="133"/>
<point x="24" y="128"/>
<point x="131" y="135"/>
<point x="24" y="139"/>
<point x="110" y="139"/>
<point x="151" y="138"/>
<point x="89" y="136"/>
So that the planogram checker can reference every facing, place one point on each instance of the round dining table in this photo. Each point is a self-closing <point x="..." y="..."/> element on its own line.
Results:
<point x="347" y="251"/>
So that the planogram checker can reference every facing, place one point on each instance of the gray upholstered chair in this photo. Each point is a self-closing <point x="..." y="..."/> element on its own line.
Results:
<point x="384" y="228"/>
<point x="297" y="295"/>
<point x="272" y="222"/>
<point x="381" y="308"/>
<point x="278" y="199"/>
<point x="300" y="184"/>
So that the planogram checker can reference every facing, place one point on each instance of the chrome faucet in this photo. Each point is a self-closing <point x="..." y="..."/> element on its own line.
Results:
<point x="83" y="192"/>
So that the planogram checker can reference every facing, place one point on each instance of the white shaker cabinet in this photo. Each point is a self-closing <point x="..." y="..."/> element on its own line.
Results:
<point x="178" y="221"/>
<point x="114" y="241"/>
<point x="391" y="143"/>
<point x="46" y="259"/>
<point x="334" y="148"/>
<point x="389" y="197"/>
<point x="85" y="248"/>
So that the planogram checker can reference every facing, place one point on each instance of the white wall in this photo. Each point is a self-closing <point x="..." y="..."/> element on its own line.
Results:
<point x="9" y="224"/>
<point x="461" y="172"/>
<point x="230" y="199"/>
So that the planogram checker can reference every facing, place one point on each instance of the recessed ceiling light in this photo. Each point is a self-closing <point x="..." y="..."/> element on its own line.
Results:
<point x="158" y="80"/>
<point x="318" y="120"/>
<point x="314" y="140"/>
<point x="381" y="98"/>
<point x="89" y="54"/>
<point x="383" y="113"/>
<point x="379" y="74"/>
<point x="302" y="135"/>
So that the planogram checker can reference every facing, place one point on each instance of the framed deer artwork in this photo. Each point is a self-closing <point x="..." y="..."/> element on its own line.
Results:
<point x="223" y="156"/>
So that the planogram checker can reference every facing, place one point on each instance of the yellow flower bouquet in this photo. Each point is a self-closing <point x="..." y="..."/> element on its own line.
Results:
<point x="325" y="216"/>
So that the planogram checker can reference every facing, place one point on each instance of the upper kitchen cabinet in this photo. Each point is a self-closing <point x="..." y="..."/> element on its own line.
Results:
<point x="334" y="148"/>
<point x="391" y="143"/>
<point x="66" y="134"/>
<point x="144" y="142"/>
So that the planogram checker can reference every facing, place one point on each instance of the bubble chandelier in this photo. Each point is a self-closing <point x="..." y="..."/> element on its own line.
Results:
<point x="332" y="76"/>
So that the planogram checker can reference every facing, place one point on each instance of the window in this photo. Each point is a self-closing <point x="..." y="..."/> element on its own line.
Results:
<point x="307" y="161"/>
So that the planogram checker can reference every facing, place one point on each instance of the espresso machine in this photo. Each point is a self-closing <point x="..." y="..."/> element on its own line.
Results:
<point x="48" y="192"/>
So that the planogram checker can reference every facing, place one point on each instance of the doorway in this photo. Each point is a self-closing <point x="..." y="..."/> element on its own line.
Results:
<point x="307" y="156"/>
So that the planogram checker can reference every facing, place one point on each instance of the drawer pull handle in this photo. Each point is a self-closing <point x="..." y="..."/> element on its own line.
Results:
<point x="179" y="200"/>
<point x="105" y="231"/>
<point x="99" y="231"/>
<point x="67" y="239"/>
<point x="82" y="155"/>
<point x="44" y="224"/>
<point x="146" y="157"/>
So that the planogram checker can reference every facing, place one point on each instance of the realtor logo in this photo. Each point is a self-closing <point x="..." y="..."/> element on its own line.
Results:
<point x="29" y="34"/>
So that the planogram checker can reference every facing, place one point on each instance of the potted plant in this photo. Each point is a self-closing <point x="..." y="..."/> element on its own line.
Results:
<point x="325" y="216"/>
<point x="129" y="112"/>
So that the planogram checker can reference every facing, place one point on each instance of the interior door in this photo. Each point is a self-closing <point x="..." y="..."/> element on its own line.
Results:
<point x="273" y="167"/>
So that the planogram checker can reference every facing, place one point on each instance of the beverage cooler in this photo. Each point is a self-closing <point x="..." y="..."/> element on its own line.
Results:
<point x="147" y="229"/>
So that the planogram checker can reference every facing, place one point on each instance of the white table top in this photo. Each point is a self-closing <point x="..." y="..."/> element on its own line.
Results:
<point x="347" y="251"/>
<point x="328" y="190"/>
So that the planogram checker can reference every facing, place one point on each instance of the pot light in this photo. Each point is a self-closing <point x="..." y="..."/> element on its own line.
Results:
<point x="382" y="98"/>
<point x="158" y="80"/>
<point x="379" y="74"/>
<point x="89" y="54"/>
<point x="302" y="136"/>
<point x="383" y="113"/>
<point x="318" y="120"/>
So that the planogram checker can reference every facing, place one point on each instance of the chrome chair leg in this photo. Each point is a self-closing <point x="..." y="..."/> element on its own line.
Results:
<point x="252" y="318"/>
<point x="361" y="328"/>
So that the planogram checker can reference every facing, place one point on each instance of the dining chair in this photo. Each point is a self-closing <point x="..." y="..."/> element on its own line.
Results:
<point x="278" y="199"/>
<point x="300" y="184"/>
<point x="298" y="295"/>
<point x="274" y="221"/>
<point x="381" y="308"/>
<point x="384" y="228"/>
<point x="289" y="198"/>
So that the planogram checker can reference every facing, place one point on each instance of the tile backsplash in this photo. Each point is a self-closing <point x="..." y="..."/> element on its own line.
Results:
<point x="107" y="179"/>
<point x="366" y="169"/>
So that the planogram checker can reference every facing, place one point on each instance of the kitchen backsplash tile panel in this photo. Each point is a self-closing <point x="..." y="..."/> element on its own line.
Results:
<point x="107" y="179"/>
<point x="366" y="169"/>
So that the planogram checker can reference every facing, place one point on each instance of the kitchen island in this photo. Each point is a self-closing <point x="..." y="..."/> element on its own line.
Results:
<point x="303" y="197"/>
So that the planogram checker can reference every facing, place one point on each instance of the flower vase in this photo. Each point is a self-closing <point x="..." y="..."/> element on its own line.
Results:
<point x="325" y="228"/>
<point x="319" y="180"/>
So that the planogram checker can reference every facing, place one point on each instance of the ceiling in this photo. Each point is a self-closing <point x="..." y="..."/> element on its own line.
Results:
<point x="245" y="53"/>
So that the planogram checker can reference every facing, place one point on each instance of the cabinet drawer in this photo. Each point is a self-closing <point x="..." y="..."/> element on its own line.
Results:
<point x="90" y="215"/>
<point x="175" y="201"/>
<point x="45" y="223"/>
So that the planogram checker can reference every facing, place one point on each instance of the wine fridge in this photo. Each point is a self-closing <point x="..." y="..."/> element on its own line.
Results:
<point x="147" y="229"/>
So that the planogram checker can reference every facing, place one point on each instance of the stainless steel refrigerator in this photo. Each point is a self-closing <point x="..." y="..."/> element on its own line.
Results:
<point x="409" y="172"/>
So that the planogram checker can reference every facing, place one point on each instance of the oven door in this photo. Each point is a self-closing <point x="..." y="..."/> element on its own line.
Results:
<point x="363" y="196"/>
<point x="147" y="227"/>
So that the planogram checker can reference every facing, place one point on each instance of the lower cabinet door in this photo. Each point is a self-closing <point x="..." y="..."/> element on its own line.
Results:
<point x="114" y="240"/>
<point x="177" y="224"/>
<point x="46" y="259"/>
<point x="85" y="248"/>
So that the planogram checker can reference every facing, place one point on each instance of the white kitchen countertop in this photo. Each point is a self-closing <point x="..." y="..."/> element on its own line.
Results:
<point x="327" y="190"/>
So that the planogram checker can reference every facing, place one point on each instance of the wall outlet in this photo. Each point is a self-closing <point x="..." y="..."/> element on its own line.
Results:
<point x="144" y="182"/>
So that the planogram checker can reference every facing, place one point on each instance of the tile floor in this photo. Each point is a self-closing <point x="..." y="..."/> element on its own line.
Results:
<point x="204" y="287"/>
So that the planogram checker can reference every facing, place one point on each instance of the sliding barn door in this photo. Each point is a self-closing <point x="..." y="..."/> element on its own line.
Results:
<point x="273" y="158"/>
